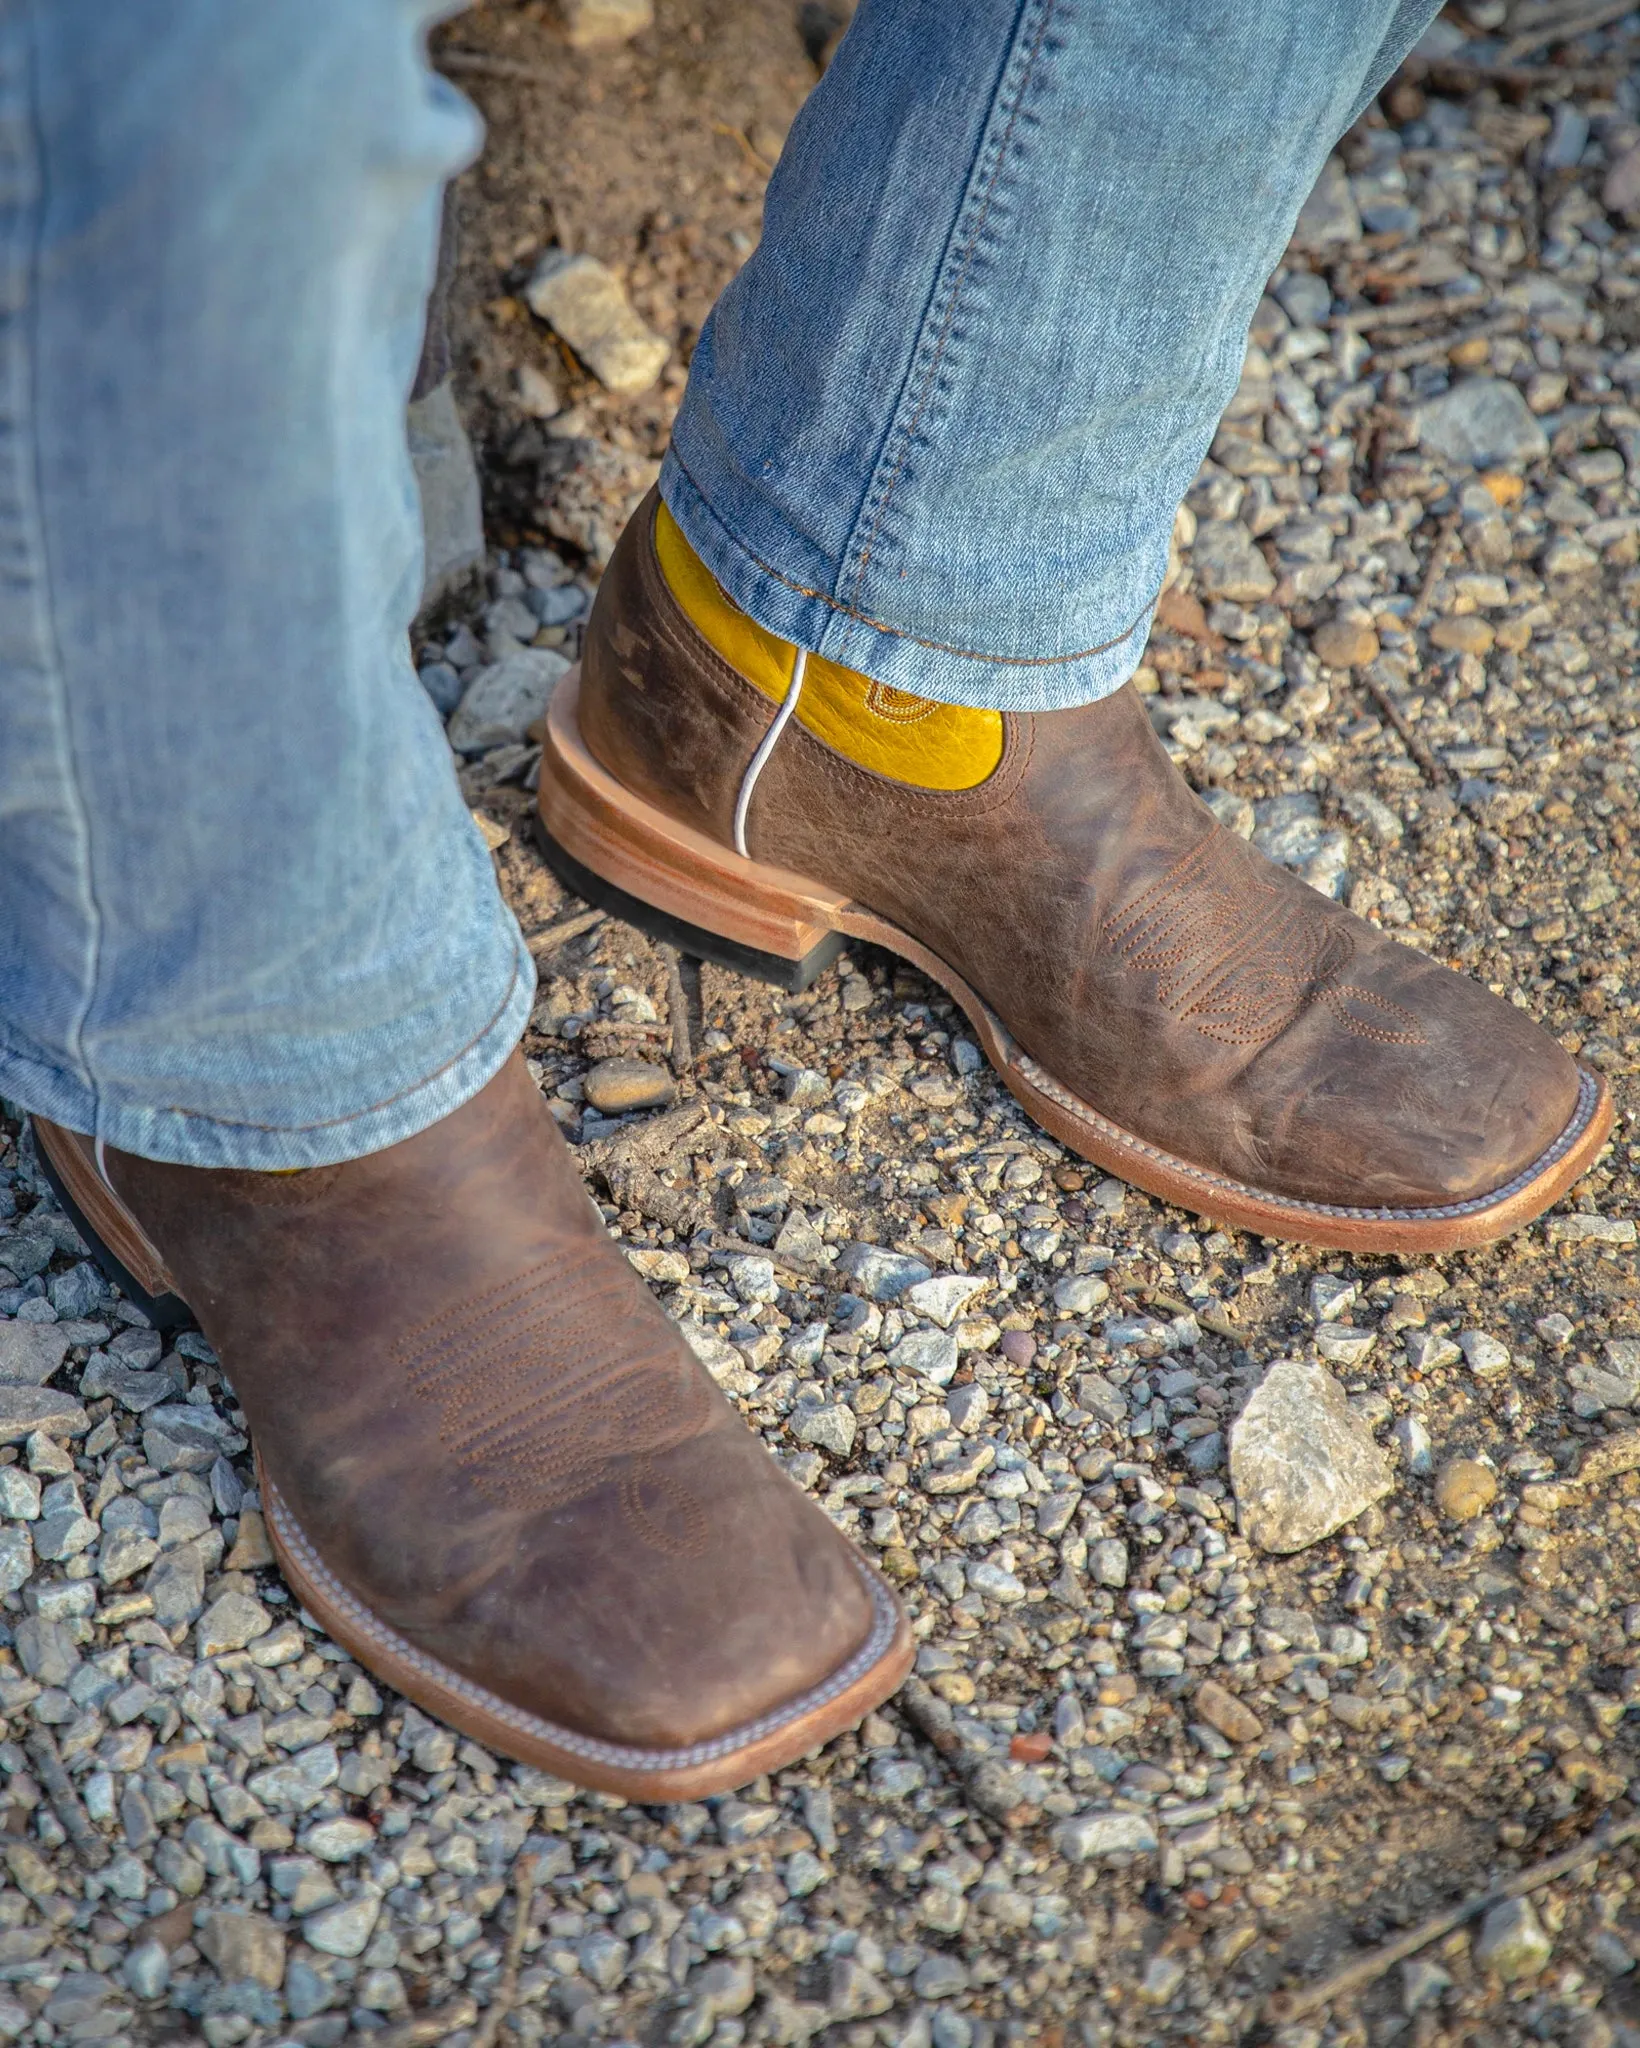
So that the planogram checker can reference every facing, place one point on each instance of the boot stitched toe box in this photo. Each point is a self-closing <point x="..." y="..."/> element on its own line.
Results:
<point x="688" y="1595"/>
<point x="1268" y="1040"/>
<point x="1406" y="1086"/>
<point x="1325" y="1063"/>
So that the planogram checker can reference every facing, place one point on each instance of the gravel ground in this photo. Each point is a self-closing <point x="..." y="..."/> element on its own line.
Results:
<point x="1159" y="1771"/>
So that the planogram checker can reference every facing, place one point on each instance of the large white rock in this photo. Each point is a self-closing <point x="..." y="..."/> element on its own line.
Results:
<point x="1086" y="1835"/>
<point x="452" y="516"/>
<point x="1301" y="1463"/>
<point x="590" y="24"/>
<point x="587" y="304"/>
<point x="30" y="1353"/>
<point x="1329" y="218"/>
<point x="1512" y="1942"/>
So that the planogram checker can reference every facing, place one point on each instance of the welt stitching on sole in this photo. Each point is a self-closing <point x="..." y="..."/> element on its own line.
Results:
<point x="1588" y="1094"/>
<point x="618" y="1755"/>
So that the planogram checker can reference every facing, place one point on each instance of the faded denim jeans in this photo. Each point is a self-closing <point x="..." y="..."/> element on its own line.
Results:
<point x="936" y="429"/>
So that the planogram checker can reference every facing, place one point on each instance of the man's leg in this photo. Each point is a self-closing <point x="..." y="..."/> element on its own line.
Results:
<point x="925" y="476"/>
<point x="246" y="923"/>
<point x="245" y="918"/>
<point x="938" y="427"/>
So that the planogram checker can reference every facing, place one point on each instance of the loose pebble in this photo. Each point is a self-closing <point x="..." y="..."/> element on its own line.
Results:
<point x="1464" y="1488"/>
<point x="1512" y="1942"/>
<point x="1300" y="1463"/>
<point x="584" y="302"/>
<point x="617" y="1086"/>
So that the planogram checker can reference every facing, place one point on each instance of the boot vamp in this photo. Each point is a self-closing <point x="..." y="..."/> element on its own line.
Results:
<point x="670" y="1594"/>
<point x="1167" y="974"/>
<point x="1262" y="1031"/>
<point x="493" y="1437"/>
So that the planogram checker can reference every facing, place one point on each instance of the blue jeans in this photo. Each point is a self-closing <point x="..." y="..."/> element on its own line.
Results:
<point x="936" y="429"/>
<point x="245" y="917"/>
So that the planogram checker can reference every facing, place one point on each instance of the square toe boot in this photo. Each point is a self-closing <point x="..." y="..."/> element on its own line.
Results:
<point x="490" y="1464"/>
<point x="1159" y="996"/>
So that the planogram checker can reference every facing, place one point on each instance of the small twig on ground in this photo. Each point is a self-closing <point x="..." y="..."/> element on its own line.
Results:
<point x="677" y="1012"/>
<point x="480" y="64"/>
<point x="525" y="1873"/>
<point x="1558" y="1619"/>
<point x="1434" y="772"/>
<point x="1213" y="1319"/>
<point x="1396" y="313"/>
<point x="1443" y="344"/>
<point x="1565" y="28"/>
<point x="427" y="2029"/>
<point x="725" y="1241"/>
<point x="1432" y="572"/>
<point x="556" y="935"/>
<point x="1460" y="74"/>
<point x="1296" y="2005"/>
<point x="739" y="135"/>
<point x="65" y="1802"/>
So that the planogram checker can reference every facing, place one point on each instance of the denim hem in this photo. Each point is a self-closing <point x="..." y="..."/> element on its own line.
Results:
<point x="948" y="675"/>
<point x="183" y="1137"/>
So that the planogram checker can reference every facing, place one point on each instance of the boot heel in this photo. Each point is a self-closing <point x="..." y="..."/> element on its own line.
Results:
<point x="624" y="855"/>
<point x="116" y="1239"/>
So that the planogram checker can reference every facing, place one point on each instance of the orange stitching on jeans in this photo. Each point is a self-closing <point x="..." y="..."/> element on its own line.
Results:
<point x="329" y="1123"/>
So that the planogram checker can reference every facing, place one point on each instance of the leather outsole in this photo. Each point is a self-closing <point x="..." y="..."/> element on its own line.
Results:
<point x="117" y="1243"/>
<point x="779" y="1737"/>
<point x="627" y="855"/>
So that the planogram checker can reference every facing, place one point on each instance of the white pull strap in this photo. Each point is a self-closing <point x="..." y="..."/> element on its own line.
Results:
<point x="754" y="768"/>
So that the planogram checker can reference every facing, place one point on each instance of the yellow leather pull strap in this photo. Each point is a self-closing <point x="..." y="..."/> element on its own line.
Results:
<point x="891" y="732"/>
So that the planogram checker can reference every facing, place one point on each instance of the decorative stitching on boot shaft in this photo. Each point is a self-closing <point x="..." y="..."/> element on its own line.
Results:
<point x="1240" y="958"/>
<point x="549" y="1386"/>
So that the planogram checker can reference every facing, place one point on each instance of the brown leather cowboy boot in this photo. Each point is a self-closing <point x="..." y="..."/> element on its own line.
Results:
<point x="491" y="1466"/>
<point x="1157" y="994"/>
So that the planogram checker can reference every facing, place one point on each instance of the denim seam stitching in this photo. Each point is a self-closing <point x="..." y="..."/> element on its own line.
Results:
<point x="881" y="626"/>
<point x="33" y="516"/>
<point x="965" y="258"/>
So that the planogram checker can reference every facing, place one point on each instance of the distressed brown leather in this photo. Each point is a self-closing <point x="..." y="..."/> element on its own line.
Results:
<point x="1203" y="998"/>
<point x="492" y="1433"/>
